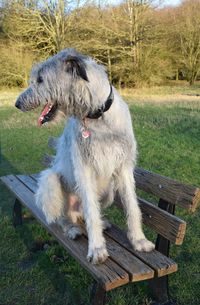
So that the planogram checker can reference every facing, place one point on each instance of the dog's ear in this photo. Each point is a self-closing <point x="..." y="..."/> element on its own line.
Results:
<point x="76" y="67"/>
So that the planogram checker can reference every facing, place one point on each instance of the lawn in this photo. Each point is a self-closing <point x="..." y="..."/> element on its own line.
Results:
<point x="168" y="136"/>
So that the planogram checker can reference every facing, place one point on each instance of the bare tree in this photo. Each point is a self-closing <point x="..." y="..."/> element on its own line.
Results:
<point x="137" y="41"/>
<point x="42" y="26"/>
<point x="185" y="38"/>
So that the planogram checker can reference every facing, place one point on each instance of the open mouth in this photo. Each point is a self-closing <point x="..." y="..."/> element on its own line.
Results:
<point x="47" y="114"/>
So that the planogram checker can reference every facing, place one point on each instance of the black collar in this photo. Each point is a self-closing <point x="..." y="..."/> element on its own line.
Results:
<point x="98" y="113"/>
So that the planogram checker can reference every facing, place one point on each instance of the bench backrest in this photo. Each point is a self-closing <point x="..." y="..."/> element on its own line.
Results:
<point x="169" y="192"/>
<point x="185" y="196"/>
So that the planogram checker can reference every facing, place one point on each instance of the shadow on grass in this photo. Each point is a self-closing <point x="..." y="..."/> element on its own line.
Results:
<point x="62" y="286"/>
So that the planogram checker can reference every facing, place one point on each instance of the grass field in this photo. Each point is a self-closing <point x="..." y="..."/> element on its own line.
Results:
<point x="167" y="128"/>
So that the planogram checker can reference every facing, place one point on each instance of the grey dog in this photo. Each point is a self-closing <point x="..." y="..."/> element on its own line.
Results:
<point x="96" y="153"/>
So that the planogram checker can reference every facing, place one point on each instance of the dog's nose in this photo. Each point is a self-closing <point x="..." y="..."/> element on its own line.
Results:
<point x="18" y="104"/>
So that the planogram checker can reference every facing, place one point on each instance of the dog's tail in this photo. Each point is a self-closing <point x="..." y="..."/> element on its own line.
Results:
<point x="49" y="196"/>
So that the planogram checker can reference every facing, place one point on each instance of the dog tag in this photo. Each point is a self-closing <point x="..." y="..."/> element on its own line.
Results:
<point x="86" y="134"/>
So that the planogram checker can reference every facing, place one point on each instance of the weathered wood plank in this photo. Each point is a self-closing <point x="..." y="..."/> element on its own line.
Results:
<point x="136" y="269"/>
<point x="161" y="264"/>
<point x="110" y="275"/>
<point x="185" y="196"/>
<point x="158" y="262"/>
<point x="168" y="225"/>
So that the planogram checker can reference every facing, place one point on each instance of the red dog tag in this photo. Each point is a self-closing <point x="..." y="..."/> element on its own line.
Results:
<point x="86" y="134"/>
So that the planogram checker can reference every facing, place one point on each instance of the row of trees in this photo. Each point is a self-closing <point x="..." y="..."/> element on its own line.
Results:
<point x="139" y="42"/>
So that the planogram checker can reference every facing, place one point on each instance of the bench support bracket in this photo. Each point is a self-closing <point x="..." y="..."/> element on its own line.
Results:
<point x="17" y="213"/>
<point x="159" y="286"/>
<point x="98" y="295"/>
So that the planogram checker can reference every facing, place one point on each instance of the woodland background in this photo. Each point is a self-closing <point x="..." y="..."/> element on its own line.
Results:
<point x="140" y="42"/>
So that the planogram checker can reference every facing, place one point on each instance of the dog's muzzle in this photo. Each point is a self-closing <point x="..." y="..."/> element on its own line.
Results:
<point x="27" y="100"/>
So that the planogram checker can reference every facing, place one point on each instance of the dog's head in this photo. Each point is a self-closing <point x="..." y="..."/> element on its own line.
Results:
<point x="59" y="83"/>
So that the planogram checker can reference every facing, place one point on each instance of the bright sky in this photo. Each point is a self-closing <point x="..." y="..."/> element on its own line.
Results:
<point x="171" y="2"/>
<point x="164" y="2"/>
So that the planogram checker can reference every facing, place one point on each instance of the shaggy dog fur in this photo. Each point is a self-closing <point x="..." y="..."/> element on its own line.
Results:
<point x="95" y="157"/>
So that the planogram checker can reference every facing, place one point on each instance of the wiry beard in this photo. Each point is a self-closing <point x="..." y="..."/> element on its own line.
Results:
<point x="77" y="104"/>
<point x="76" y="110"/>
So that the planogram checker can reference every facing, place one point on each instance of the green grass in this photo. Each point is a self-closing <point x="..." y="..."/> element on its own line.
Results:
<point x="168" y="138"/>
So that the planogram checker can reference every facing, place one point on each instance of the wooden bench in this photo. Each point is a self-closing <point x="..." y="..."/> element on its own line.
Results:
<point x="124" y="264"/>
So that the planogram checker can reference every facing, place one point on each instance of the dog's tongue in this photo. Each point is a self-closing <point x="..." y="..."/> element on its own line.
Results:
<point x="44" y="112"/>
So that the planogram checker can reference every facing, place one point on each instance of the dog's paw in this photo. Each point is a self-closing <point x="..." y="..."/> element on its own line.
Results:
<point x="74" y="232"/>
<point x="97" y="255"/>
<point x="143" y="245"/>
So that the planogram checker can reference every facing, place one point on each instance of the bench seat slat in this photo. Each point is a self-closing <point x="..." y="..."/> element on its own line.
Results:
<point x="136" y="269"/>
<point x="110" y="275"/>
<point x="186" y="196"/>
<point x="161" y="264"/>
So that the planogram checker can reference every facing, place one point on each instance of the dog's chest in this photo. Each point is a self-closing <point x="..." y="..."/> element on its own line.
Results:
<point x="104" y="149"/>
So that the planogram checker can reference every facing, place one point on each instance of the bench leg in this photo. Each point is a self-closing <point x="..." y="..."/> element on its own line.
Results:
<point x="160" y="291"/>
<point x="17" y="213"/>
<point x="160" y="286"/>
<point x="98" y="295"/>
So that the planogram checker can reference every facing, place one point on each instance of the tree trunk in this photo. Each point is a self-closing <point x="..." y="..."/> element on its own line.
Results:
<point x="109" y="61"/>
<point x="177" y="74"/>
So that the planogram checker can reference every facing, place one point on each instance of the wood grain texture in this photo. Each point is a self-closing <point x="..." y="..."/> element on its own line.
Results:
<point x="161" y="264"/>
<point x="109" y="275"/>
<point x="138" y="270"/>
<point x="185" y="196"/>
<point x="170" y="226"/>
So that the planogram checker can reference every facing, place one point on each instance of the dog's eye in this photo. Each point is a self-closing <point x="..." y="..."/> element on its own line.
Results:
<point x="39" y="79"/>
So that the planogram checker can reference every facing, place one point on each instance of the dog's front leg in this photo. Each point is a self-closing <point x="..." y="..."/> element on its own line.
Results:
<point x="134" y="217"/>
<point x="97" y="252"/>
